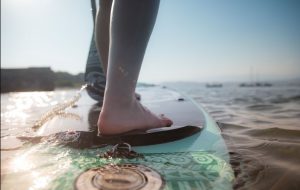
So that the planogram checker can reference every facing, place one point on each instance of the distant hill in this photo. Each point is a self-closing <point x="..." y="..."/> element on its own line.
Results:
<point x="41" y="79"/>
<point x="29" y="79"/>
<point x="37" y="79"/>
<point x="65" y="79"/>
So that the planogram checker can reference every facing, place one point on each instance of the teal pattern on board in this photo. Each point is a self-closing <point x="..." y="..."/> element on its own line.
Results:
<point x="61" y="166"/>
<point x="180" y="170"/>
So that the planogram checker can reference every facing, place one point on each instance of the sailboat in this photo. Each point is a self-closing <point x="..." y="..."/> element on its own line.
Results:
<point x="255" y="83"/>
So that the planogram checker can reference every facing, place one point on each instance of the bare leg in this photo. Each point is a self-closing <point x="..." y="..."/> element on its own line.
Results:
<point x="102" y="31"/>
<point x="131" y="25"/>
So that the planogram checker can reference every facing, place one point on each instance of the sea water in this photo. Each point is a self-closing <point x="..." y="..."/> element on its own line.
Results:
<point x="260" y="125"/>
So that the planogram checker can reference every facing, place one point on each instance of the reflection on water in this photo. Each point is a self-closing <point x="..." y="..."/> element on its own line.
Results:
<point x="39" y="181"/>
<point x="21" y="163"/>
<point x="19" y="112"/>
<point x="261" y="127"/>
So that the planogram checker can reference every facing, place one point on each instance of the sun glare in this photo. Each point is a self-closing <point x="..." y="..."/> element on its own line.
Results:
<point x="39" y="181"/>
<point x="21" y="163"/>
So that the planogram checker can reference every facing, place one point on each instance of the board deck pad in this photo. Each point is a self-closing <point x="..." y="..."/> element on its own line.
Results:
<point x="199" y="161"/>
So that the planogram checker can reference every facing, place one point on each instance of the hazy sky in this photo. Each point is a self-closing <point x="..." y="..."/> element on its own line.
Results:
<point x="193" y="40"/>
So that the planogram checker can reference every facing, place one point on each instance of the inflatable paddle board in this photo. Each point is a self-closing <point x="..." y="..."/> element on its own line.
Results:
<point x="66" y="152"/>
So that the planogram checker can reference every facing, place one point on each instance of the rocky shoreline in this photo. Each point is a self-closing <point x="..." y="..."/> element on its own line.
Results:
<point x="37" y="79"/>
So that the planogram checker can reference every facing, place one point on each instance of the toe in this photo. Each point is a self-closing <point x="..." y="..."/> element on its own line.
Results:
<point x="165" y="122"/>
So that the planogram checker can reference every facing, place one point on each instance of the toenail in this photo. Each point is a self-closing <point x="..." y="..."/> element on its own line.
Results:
<point x="169" y="123"/>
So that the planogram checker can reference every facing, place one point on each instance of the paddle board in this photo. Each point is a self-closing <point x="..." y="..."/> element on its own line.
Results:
<point x="177" y="157"/>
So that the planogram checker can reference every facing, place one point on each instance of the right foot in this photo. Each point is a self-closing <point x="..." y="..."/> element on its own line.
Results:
<point x="134" y="116"/>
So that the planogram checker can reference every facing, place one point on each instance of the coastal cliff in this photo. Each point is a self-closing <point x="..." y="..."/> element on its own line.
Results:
<point x="37" y="79"/>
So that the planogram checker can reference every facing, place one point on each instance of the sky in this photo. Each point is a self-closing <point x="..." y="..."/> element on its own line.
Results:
<point x="193" y="40"/>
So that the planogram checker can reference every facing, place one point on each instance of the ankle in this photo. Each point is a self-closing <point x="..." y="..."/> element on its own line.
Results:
<point x="118" y="99"/>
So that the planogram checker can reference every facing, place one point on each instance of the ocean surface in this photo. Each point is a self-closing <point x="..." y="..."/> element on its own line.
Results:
<point x="260" y="125"/>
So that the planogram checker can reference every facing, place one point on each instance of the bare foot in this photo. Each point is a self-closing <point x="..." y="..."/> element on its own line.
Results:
<point x="117" y="119"/>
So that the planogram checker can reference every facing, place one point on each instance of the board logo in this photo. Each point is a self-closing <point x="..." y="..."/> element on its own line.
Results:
<point x="120" y="177"/>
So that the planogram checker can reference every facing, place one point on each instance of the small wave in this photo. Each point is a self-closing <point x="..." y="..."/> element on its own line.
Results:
<point x="240" y="100"/>
<point x="261" y="107"/>
<point x="263" y="158"/>
<point x="231" y="126"/>
<point x="275" y="132"/>
<point x="295" y="98"/>
<point x="280" y="99"/>
<point x="262" y="122"/>
<point x="248" y="100"/>
<point x="286" y="111"/>
<point x="10" y="143"/>
<point x="216" y="112"/>
<point x="10" y="149"/>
